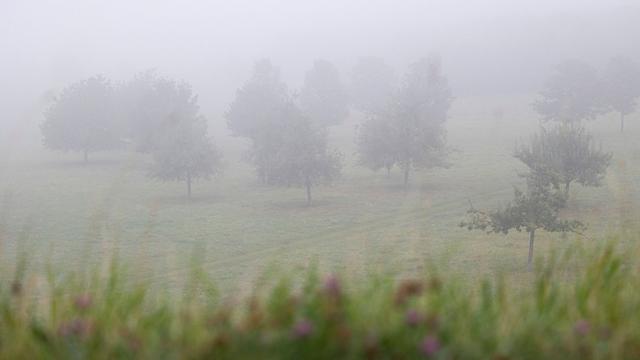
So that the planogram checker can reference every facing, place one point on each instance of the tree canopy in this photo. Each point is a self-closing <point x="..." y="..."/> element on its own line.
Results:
<point x="622" y="83"/>
<point x="323" y="97"/>
<point x="372" y="85"/>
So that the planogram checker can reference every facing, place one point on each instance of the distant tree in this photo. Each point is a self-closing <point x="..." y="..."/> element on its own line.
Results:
<point x="565" y="154"/>
<point x="255" y="113"/>
<point x="303" y="159"/>
<point x="377" y="144"/>
<point x="323" y="98"/>
<point x="149" y="101"/>
<point x="572" y="94"/>
<point x="536" y="208"/>
<point x="418" y="114"/>
<point x="82" y="118"/>
<point x="622" y="83"/>
<point x="182" y="150"/>
<point x="373" y="83"/>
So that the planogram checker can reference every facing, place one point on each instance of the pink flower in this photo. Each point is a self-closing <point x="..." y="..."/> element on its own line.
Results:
<point x="76" y="327"/>
<point x="413" y="318"/>
<point x="332" y="286"/>
<point x="582" y="327"/>
<point x="302" y="329"/>
<point x="430" y="345"/>
<point x="83" y="302"/>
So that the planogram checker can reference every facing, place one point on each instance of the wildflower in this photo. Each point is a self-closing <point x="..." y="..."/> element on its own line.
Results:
<point x="332" y="286"/>
<point x="582" y="327"/>
<point x="83" y="302"/>
<point x="413" y="318"/>
<point x="406" y="290"/>
<point x="430" y="345"/>
<point x="302" y="329"/>
<point x="77" y="328"/>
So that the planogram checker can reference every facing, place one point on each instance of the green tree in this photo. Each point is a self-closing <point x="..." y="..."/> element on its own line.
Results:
<point x="536" y="208"/>
<point x="184" y="152"/>
<point x="564" y="154"/>
<point x="622" y="83"/>
<point x="303" y="157"/>
<point x="82" y="119"/>
<point x="572" y="94"/>
<point x="323" y="98"/>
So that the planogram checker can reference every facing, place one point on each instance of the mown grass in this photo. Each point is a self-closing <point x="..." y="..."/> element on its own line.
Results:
<point x="555" y="313"/>
<point x="56" y="209"/>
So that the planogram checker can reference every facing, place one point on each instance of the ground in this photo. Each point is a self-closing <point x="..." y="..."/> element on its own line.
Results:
<point x="61" y="211"/>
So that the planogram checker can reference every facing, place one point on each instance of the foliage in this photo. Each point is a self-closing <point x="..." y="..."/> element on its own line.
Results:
<point x="565" y="154"/>
<point x="372" y="85"/>
<point x="113" y="315"/>
<point x="414" y="122"/>
<point x="184" y="152"/>
<point x="82" y="118"/>
<point x="148" y="102"/>
<point x="622" y="83"/>
<point x="303" y="159"/>
<point x="323" y="98"/>
<point x="572" y="94"/>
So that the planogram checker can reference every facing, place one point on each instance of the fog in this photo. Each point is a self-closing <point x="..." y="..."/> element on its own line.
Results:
<point x="487" y="46"/>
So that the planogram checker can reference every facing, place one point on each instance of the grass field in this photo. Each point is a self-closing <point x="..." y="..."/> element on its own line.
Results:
<point x="58" y="210"/>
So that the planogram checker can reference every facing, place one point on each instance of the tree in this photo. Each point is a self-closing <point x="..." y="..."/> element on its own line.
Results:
<point x="323" y="98"/>
<point x="565" y="154"/>
<point x="303" y="159"/>
<point x="622" y="83"/>
<point x="255" y="114"/>
<point x="149" y="101"/>
<point x="536" y="208"/>
<point x="82" y="118"/>
<point x="572" y="94"/>
<point x="417" y="116"/>
<point x="376" y="144"/>
<point x="373" y="83"/>
<point x="183" y="151"/>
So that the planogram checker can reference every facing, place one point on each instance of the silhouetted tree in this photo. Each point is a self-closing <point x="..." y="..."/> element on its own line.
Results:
<point x="255" y="114"/>
<point x="323" y="98"/>
<point x="622" y="80"/>
<point x="572" y="94"/>
<point x="373" y="83"/>
<point x="82" y="118"/>
<point x="536" y="208"/>
<point x="565" y="154"/>
<point x="148" y="102"/>
<point x="182" y="150"/>
<point x="303" y="158"/>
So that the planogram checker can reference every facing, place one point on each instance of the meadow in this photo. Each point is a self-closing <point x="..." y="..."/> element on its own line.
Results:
<point x="75" y="216"/>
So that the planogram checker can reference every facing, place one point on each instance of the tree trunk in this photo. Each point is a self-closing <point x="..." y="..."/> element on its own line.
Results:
<point x="406" y="176"/>
<point x="621" y="122"/>
<point x="86" y="156"/>
<point x="566" y="188"/>
<point x="189" y="184"/>
<point x="308" y="186"/>
<point x="532" y="234"/>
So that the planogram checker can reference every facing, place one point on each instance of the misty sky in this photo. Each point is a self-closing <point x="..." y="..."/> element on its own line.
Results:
<point x="487" y="46"/>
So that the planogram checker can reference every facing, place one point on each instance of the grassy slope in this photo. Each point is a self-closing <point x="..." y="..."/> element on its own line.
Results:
<point x="53" y="207"/>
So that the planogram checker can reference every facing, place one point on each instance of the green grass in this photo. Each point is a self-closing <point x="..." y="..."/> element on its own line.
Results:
<point x="62" y="212"/>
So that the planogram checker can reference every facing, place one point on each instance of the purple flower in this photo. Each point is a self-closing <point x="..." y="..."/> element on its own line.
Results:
<point x="76" y="327"/>
<point x="83" y="302"/>
<point x="430" y="345"/>
<point x="302" y="329"/>
<point x="413" y="318"/>
<point x="332" y="286"/>
<point x="582" y="327"/>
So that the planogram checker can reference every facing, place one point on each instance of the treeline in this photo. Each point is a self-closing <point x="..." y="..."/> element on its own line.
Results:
<point x="404" y="124"/>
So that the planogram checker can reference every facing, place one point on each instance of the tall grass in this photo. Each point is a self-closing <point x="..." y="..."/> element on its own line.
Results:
<point x="574" y="306"/>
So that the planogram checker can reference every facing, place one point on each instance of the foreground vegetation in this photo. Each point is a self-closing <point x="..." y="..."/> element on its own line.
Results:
<point x="556" y="313"/>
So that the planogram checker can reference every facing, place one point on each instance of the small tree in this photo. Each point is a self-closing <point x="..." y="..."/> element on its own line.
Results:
<point x="373" y="83"/>
<point x="536" y="208"/>
<point x="323" y="98"/>
<point x="572" y="94"/>
<point x="376" y="144"/>
<point x="622" y="79"/>
<point x="255" y="114"/>
<point x="303" y="158"/>
<point x="184" y="152"/>
<point x="82" y="119"/>
<point x="148" y="101"/>
<point x="565" y="154"/>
